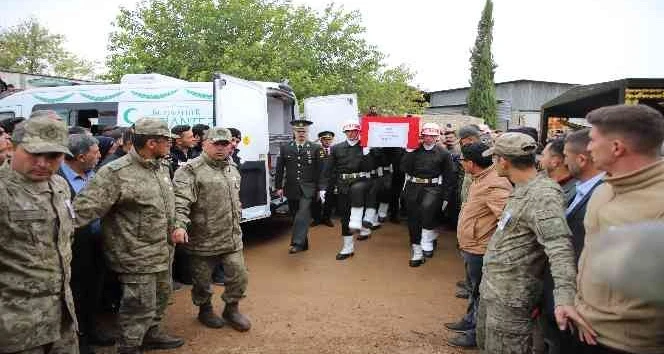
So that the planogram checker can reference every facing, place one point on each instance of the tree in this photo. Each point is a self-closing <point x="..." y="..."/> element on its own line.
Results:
<point x="268" y="40"/>
<point x="482" y="94"/>
<point x="31" y="48"/>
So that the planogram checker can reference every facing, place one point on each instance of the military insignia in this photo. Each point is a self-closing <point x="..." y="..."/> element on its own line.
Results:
<point x="246" y="140"/>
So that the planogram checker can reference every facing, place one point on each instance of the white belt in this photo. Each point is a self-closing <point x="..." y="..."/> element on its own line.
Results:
<point x="354" y="175"/>
<point x="418" y="180"/>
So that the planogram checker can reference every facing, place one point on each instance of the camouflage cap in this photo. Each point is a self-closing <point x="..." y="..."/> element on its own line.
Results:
<point x="152" y="126"/>
<point x="218" y="134"/>
<point x="512" y="144"/>
<point x="42" y="134"/>
<point x="45" y="113"/>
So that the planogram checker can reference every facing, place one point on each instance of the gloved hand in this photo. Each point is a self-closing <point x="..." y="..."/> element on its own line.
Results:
<point x="366" y="150"/>
<point x="410" y="150"/>
<point x="321" y="195"/>
<point x="444" y="205"/>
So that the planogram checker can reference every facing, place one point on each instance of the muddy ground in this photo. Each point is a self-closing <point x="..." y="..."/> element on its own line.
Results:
<point x="311" y="303"/>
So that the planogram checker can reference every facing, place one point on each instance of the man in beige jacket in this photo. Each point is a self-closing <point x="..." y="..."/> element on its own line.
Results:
<point x="625" y="142"/>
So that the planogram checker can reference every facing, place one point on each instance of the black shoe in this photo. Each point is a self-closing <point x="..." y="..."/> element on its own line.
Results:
<point x="427" y="254"/>
<point x="156" y="339"/>
<point x="342" y="256"/>
<point x="416" y="263"/>
<point x="461" y="284"/>
<point x="328" y="223"/>
<point x="367" y="224"/>
<point x="462" y="294"/>
<point x="463" y="340"/>
<point x="363" y="238"/>
<point x="315" y="223"/>
<point x="461" y="326"/>
<point x="381" y="220"/>
<point x="375" y="227"/>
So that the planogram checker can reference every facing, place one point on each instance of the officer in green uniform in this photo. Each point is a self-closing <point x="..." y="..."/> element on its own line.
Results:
<point x="208" y="213"/>
<point x="133" y="196"/>
<point x="301" y="161"/>
<point x="36" y="304"/>
<point x="531" y="230"/>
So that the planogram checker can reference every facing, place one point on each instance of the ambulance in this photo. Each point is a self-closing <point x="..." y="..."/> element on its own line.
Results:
<point x="262" y="111"/>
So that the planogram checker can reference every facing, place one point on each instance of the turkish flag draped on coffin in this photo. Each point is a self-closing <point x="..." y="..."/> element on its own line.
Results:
<point x="401" y="132"/>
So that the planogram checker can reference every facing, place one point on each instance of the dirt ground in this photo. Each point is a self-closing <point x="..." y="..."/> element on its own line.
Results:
<point x="311" y="303"/>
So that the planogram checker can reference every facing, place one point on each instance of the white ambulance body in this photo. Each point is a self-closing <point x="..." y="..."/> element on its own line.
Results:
<point x="261" y="111"/>
<point x="328" y="114"/>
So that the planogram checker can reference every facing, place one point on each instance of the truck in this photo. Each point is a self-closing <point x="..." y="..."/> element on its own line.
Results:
<point x="262" y="111"/>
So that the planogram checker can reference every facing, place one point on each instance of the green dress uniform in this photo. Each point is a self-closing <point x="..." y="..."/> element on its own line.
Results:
<point x="299" y="171"/>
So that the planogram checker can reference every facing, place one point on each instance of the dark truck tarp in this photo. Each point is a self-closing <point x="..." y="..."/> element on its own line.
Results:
<point x="579" y="100"/>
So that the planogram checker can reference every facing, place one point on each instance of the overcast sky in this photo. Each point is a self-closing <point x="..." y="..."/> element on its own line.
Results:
<point x="572" y="41"/>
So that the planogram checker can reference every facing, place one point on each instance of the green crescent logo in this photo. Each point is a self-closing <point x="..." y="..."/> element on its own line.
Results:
<point x="125" y="116"/>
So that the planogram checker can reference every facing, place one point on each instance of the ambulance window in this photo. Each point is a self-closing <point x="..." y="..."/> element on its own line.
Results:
<point x="5" y="115"/>
<point x="84" y="114"/>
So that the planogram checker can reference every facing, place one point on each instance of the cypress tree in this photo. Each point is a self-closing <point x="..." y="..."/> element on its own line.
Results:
<point x="482" y="94"/>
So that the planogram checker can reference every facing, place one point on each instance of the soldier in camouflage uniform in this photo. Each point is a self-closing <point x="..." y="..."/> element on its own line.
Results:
<point x="532" y="228"/>
<point x="133" y="196"/>
<point x="36" y="304"/>
<point x="207" y="214"/>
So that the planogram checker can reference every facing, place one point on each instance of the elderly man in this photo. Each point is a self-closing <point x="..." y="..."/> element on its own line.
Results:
<point x="301" y="161"/>
<point x="207" y="213"/>
<point x="87" y="259"/>
<point x="625" y="143"/>
<point x="531" y="230"/>
<point x="36" y="219"/>
<point x="133" y="196"/>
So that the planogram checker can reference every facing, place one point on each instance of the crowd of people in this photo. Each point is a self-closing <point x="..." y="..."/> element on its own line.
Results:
<point x="113" y="219"/>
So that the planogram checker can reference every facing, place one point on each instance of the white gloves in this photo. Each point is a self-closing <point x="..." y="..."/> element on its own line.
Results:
<point x="366" y="150"/>
<point x="444" y="205"/>
<point x="321" y="195"/>
<point x="410" y="150"/>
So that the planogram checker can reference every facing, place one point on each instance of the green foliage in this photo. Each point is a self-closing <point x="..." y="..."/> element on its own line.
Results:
<point x="31" y="48"/>
<point x="320" y="53"/>
<point x="482" y="94"/>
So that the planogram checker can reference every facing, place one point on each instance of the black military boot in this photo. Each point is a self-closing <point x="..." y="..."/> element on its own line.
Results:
<point x="207" y="317"/>
<point x="235" y="319"/>
<point x="129" y="350"/>
<point x="156" y="339"/>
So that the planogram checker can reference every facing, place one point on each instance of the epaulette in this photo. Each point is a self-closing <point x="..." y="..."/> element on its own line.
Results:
<point x="120" y="163"/>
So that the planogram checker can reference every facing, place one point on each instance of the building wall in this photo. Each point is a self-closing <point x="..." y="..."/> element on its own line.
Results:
<point x="518" y="98"/>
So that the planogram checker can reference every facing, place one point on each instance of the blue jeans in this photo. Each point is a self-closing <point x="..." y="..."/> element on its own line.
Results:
<point x="473" y="264"/>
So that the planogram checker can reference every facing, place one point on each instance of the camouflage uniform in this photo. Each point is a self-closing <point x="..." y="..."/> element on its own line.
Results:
<point x="134" y="199"/>
<point x="207" y="204"/>
<point x="36" y="305"/>
<point x="532" y="228"/>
